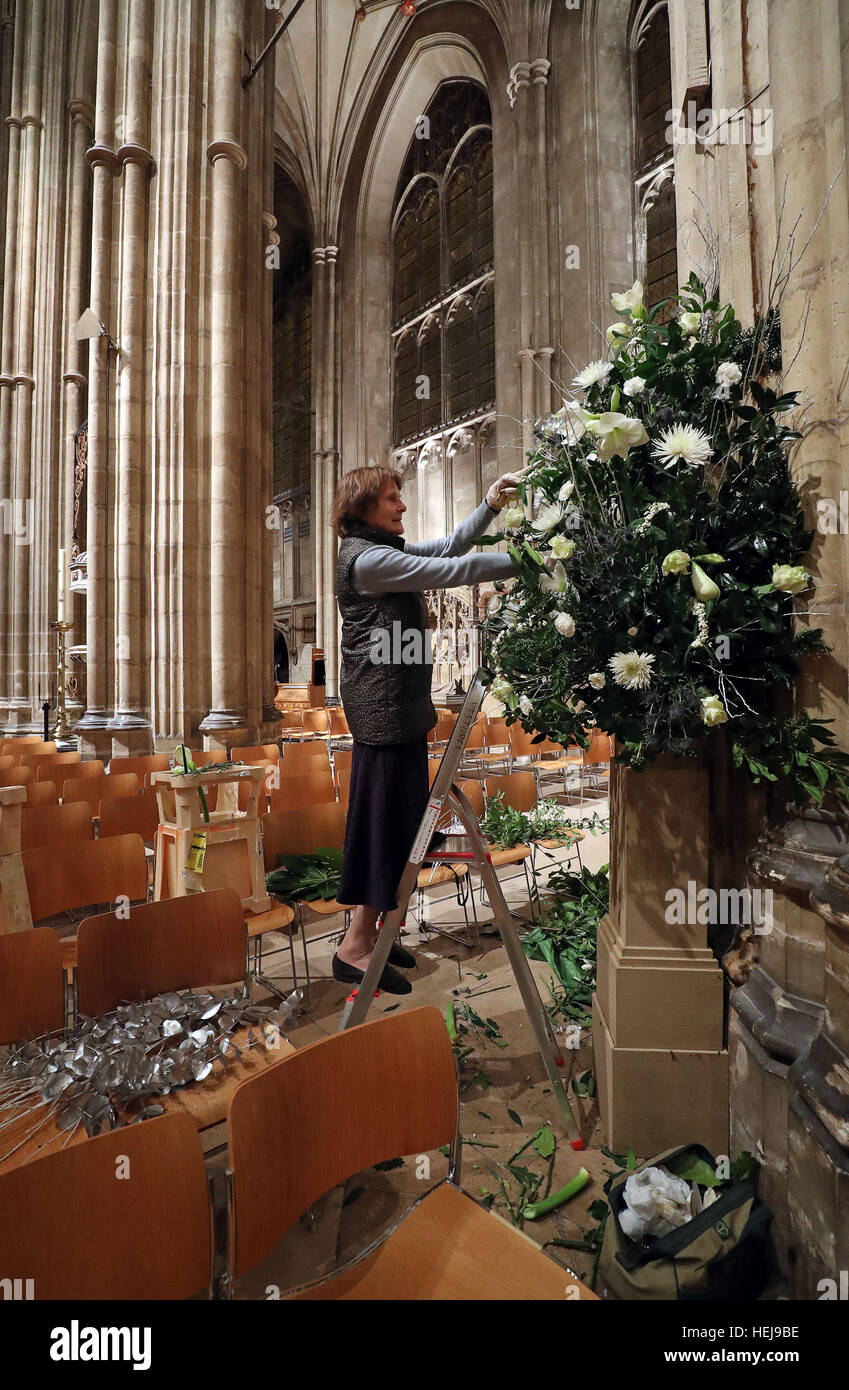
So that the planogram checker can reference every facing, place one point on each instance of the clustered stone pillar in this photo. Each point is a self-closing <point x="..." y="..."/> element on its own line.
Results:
<point x="326" y="473"/>
<point x="789" y="1034"/>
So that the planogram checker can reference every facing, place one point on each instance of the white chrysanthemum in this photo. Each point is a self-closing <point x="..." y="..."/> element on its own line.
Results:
<point x="597" y="680"/>
<point x="682" y="444"/>
<point x="632" y="670"/>
<point x="592" y="374"/>
<point x="548" y="516"/>
<point x="565" y="624"/>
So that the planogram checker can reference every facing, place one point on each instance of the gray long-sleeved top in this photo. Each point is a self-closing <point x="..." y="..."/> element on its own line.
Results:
<point x="432" y="564"/>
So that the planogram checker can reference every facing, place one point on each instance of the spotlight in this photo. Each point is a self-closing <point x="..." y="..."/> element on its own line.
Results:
<point x="360" y="13"/>
<point x="408" y="8"/>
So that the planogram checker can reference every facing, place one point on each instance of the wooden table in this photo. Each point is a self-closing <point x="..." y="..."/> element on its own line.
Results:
<point x="206" y="1102"/>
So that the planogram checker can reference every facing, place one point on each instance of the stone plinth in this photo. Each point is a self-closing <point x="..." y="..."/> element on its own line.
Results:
<point x="661" y="1065"/>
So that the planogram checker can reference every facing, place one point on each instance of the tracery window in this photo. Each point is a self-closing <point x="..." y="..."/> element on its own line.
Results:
<point x="653" y="159"/>
<point x="443" y="321"/>
<point x="292" y="375"/>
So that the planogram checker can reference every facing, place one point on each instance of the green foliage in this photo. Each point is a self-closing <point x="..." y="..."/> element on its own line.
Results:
<point x="712" y="627"/>
<point x="566" y="938"/>
<point x="305" y="877"/>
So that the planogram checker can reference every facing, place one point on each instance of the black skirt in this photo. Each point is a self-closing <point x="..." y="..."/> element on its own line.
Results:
<point x="388" y="796"/>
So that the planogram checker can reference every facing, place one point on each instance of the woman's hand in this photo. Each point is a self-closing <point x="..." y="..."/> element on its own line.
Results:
<point x="504" y="490"/>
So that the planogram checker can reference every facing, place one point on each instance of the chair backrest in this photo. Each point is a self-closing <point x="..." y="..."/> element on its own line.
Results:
<point x="291" y="722"/>
<point x="32" y="984"/>
<point x="476" y="736"/>
<point x="6" y="761"/>
<point x="148" y="762"/>
<point x="41" y="793"/>
<point x="519" y="790"/>
<point x="522" y="742"/>
<point x="474" y="794"/>
<point x="55" y="825"/>
<point x="16" y="748"/>
<point x="312" y="748"/>
<point x="148" y="1236"/>
<point x="36" y="757"/>
<point x="16" y="776"/>
<point x="344" y="780"/>
<point x="129" y="815"/>
<point x="600" y="749"/>
<point x="94" y="790"/>
<point x="178" y="943"/>
<point x="201" y="756"/>
<point x="302" y="832"/>
<point x="65" y="877"/>
<point x="497" y="733"/>
<point x="310" y="789"/>
<point x="339" y="726"/>
<point x="342" y="759"/>
<point x="92" y="768"/>
<point x="316" y="721"/>
<point x="257" y="753"/>
<point x="332" y="1109"/>
<point x="52" y="768"/>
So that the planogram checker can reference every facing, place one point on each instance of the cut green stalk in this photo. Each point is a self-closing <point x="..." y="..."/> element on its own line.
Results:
<point x="557" y="1199"/>
<point x="451" y="1022"/>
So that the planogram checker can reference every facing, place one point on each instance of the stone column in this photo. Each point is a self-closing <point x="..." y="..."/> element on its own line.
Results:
<point x="788" y="1038"/>
<point x="23" y="492"/>
<point x="130" y="724"/>
<point x="270" y="715"/>
<point x="325" y="377"/>
<point x="73" y="378"/>
<point x="227" y="481"/>
<point x="8" y="353"/>
<point x="658" y="1011"/>
<point x="517" y="93"/>
<point x="102" y="161"/>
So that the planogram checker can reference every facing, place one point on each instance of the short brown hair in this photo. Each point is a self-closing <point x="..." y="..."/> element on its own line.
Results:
<point x="357" y="491"/>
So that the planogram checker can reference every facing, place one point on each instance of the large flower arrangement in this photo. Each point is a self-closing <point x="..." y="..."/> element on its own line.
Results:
<point x="660" y="537"/>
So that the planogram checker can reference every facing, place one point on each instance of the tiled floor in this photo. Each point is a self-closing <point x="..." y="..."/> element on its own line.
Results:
<point x="348" y="1219"/>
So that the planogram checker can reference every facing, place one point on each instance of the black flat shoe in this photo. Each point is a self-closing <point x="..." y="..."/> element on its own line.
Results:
<point x="398" y="956"/>
<point x="390" y="980"/>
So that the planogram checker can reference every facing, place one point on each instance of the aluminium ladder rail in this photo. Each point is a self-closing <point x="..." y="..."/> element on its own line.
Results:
<point x="445" y="795"/>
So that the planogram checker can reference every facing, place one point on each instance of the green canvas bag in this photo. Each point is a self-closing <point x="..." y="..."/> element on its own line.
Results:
<point x="723" y="1253"/>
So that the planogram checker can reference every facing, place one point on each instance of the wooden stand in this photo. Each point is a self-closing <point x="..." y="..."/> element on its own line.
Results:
<point x="15" y="912"/>
<point x="233" y="856"/>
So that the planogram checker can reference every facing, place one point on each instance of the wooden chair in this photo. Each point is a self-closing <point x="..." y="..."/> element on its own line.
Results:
<point x="43" y="826"/>
<point x="258" y="753"/>
<point x="291" y="728"/>
<point x="342" y="761"/>
<point x="6" y="761"/>
<point x="32" y="985"/>
<point x="337" y="1107"/>
<point x="34" y="757"/>
<point x="90" y="769"/>
<point x="95" y="790"/>
<point x="301" y="832"/>
<point x="316" y="724"/>
<point x="17" y="747"/>
<point x="52" y="768"/>
<point x="311" y="748"/>
<point x="16" y="776"/>
<point x="496" y="745"/>
<point x="129" y="815"/>
<point x="520" y="791"/>
<point x="595" y="763"/>
<point x="148" y="1237"/>
<point x="148" y="762"/>
<point x="500" y="858"/>
<point x="41" y="793"/>
<point x="63" y="878"/>
<point x="310" y="789"/>
<point x="179" y="943"/>
<point x="343" y="779"/>
<point x="340" y="732"/>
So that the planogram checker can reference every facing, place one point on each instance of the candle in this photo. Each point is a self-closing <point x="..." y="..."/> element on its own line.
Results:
<point x="61" y="602"/>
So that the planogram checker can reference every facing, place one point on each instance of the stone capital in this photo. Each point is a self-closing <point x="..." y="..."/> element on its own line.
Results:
<point x="33" y="120"/>
<point x="102" y="156"/>
<point x="75" y="378"/>
<point x="12" y="121"/>
<point x="540" y="69"/>
<point x="131" y="153"/>
<point x="82" y="111"/>
<point x="227" y="149"/>
<point x="520" y="76"/>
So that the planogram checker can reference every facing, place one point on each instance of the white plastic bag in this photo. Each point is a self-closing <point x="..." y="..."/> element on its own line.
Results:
<point x="655" y="1204"/>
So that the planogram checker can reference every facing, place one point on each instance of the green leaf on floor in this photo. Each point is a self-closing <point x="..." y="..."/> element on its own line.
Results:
<point x="598" y="1209"/>
<point x="353" y="1196"/>
<point x="618" y="1159"/>
<point x="480" y="1078"/>
<point x="584" y="1085"/>
<point x="445" y="1150"/>
<point x="391" y="1007"/>
<point x="514" y="1117"/>
<point x="631" y="1160"/>
<point x="484" y="1115"/>
<point x="544" y="1141"/>
<point x="388" y="1164"/>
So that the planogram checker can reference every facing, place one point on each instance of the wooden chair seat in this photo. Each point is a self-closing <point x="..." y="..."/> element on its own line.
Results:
<point x="277" y="918"/>
<point x="570" y="838"/>
<point x="326" y="907"/>
<point x="450" y="1248"/>
<point x="441" y="873"/>
<point x="500" y="857"/>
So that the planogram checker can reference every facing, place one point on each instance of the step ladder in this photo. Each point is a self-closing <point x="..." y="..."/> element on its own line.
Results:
<point x="446" y="796"/>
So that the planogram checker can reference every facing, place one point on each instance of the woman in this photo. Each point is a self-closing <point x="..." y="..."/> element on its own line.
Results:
<point x="379" y="584"/>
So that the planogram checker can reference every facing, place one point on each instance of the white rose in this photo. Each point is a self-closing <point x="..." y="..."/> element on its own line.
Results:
<point x="728" y="374"/>
<point x="597" y="680"/>
<point x="617" y="332"/>
<point x="566" y="491"/>
<point x="513" y="516"/>
<point x="561" y="548"/>
<point x="690" y="323"/>
<point x="634" y="386"/>
<point x="565" y="624"/>
<point x="525" y="705"/>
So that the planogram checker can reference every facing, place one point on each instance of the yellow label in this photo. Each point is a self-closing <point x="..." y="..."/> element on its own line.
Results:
<point x="197" y="851"/>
